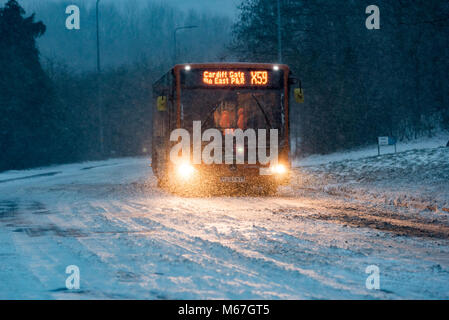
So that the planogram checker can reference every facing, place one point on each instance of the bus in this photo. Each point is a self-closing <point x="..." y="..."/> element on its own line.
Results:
<point x="223" y="125"/>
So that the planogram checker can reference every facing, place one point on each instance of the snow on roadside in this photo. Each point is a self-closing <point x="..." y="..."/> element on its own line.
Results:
<point x="64" y="172"/>
<point x="439" y="140"/>
<point x="132" y="244"/>
<point x="416" y="177"/>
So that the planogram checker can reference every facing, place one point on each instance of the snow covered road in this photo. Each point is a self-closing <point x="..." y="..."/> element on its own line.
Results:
<point x="131" y="240"/>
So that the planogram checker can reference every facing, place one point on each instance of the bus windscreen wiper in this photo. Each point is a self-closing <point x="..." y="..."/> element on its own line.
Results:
<point x="210" y="114"/>
<point x="263" y="111"/>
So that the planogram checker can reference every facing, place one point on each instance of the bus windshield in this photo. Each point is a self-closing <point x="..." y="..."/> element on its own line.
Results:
<point x="230" y="109"/>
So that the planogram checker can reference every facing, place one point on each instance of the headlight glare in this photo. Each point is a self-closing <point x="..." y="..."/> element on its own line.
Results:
<point x="279" y="169"/>
<point x="185" y="170"/>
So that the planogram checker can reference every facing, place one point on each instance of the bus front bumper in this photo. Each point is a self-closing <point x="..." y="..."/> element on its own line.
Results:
<point x="223" y="176"/>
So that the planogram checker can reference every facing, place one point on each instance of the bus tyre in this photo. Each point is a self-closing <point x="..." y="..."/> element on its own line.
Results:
<point x="162" y="183"/>
<point x="269" y="189"/>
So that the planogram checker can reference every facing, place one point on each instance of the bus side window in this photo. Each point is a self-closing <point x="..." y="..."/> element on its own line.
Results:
<point x="158" y="123"/>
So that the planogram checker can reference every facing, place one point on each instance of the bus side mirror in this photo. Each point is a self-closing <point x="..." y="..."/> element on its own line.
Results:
<point x="299" y="95"/>
<point x="162" y="103"/>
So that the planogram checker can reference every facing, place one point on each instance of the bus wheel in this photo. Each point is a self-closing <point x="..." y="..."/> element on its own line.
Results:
<point x="163" y="183"/>
<point x="160" y="183"/>
<point x="269" y="190"/>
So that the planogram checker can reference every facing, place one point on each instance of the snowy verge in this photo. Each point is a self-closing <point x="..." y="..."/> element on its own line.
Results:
<point x="439" y="140"/>
<point x="63" y="172"/>
<point x="415" y="177"/>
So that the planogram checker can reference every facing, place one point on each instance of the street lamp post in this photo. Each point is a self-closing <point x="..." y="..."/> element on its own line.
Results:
<point x="279" y="32"/>
<point x="99" y="101"/>
<point x="175" y="41"/>
<point x="98" y="39"/>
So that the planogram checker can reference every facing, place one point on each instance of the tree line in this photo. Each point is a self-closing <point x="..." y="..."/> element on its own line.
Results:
<point x="52" y="100"/>
<point x="359" y="83"/>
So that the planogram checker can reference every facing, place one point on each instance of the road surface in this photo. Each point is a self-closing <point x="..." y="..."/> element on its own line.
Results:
<point x="131" y="240"/>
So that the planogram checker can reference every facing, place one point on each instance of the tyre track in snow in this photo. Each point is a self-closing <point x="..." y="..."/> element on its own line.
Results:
<point x="205" y="257"/>
<point x="136" y="241"/>
<point x="365" y="215"/>
<point x="388" y="240"/>
<point x="196" y="246"/>
<point x="249" y="253"/>
<point x="135" y="231"/>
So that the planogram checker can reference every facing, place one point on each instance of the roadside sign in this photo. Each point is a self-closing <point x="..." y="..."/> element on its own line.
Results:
<point x="382" y="141"/>
<point x="385" y="141"/>
<point x="391" y="141"/>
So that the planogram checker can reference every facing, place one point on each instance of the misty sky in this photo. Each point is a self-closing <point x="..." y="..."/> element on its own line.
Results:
<point x="228" y="7"/>
<point x="125" y="42"/>
<point x="224" y="7"/>
<point x="216" y="6"/>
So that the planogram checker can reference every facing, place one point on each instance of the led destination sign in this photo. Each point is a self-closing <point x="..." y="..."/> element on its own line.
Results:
<point x="236" y="78"/>
<point x="206" y="78"/>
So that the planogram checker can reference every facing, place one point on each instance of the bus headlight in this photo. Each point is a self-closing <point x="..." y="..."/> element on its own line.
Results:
<point x="185" y="170"/>
<point x="278" y="169"/>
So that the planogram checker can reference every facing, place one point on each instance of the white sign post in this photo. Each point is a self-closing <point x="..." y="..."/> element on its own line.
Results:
<point x="385" y="141"/>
